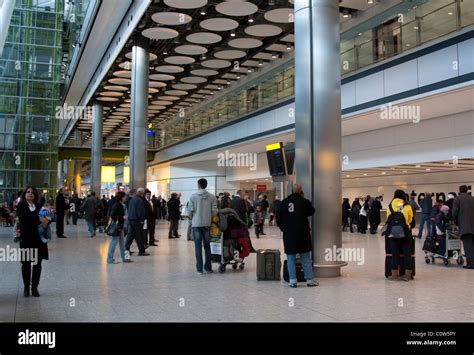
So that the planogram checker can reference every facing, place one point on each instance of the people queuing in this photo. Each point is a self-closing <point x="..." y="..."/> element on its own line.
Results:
<point x="463" y="216"/>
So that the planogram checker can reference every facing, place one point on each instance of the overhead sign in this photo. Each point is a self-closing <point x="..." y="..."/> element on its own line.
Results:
<point x="261" y="188"/>
<point x="108" y="174"/>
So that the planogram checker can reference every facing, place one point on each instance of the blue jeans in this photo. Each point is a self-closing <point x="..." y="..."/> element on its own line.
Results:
<point x="74" y="218"/>
<point x="113" y="243"/>
<point x="91" y="226"/>
<point x="307" y="267"/>
<point x="202" y="237"/>
<point x="425" y="218"/>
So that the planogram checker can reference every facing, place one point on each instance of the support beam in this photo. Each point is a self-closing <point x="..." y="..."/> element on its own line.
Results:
<point x="139" y="112"/>
<point x="318" y="123"/>
<point x="96" y="161"/>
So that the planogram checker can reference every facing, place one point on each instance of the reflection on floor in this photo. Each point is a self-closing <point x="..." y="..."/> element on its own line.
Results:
<point x="78" y="285"/>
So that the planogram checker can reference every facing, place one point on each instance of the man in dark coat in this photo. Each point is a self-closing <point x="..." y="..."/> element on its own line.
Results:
<point x="238" y="205"/>
<point x="292" y="218"/>
<point x="426" y="206"/>
<point x="374" y="215"/>
<point x="60" y="210"/>
<point x="173" y="215"/>
<point x="463" y="215"/>
<point x="90" y="207"/>
<point x="136" y="221"/>
<point x="150" y="220"/>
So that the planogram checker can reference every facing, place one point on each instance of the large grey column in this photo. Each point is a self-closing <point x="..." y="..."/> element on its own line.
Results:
<point x="96" y="156"/>
<point x="139" y="113"/>
<point x="77" y="163"/>
<point x="318" y="123"/>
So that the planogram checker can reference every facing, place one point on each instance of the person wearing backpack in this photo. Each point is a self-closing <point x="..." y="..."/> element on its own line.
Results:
<point x="398" y="230"/>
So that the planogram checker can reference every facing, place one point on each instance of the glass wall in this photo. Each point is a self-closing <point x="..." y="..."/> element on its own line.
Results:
<point x="29" y="93"/>
<point x="416" y="26"/>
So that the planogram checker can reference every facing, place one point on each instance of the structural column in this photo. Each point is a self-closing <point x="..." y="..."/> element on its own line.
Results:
<point x="96" y="156"/>
<point x="318" y="124"/>
<point x="139" y="112"/>
<point x="77" y="164"/>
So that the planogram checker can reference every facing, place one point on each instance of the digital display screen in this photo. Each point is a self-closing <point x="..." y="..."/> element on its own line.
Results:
<point x="276" y="162"/>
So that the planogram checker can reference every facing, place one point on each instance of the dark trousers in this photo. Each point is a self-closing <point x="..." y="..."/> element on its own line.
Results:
<point x="135" y="231"/>
<point x="373" y="227"/>
<point x="345" y="223"/>
<point x="60" y="224"/>
<point x="26" y="273"/>
<point x="258" y="229"/>
<point x="151" y="231"/>
<point x="173" y="232"/>
<point x="362" y="228"/>
<point x="404" y="245"/>
<point x="74" y="218"/>
<point x="354" y="221"/>
<point x="468" y="242"/>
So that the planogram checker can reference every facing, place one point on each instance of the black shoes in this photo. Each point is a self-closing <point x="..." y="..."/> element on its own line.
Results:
<point x="153" y="245"/>
<point x="468" y="267"/>
<point x="62" y="236"/>
<point x="34" y="292"/>
<point x="143" y="254"/>
<point x="26" y="291"/>
<point x="252" y="250"/>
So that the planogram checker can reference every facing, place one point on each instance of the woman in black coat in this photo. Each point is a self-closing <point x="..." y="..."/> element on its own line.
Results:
<point x="173" y="215"/>
<point x="28" y="216"/>
<point x="374" y="216"/>
<point x="346" y="211"/>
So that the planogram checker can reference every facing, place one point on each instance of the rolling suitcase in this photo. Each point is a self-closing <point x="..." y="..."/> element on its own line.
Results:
<point x="268" y="264"/>
<point x="299" y="271"/>
<point x="388" y="259"/>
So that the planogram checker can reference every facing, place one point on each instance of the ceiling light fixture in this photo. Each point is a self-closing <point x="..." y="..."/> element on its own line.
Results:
<point x="288" y="47"/>
<point x="345" y="13"/>
<point x="274" y="55"/>
<point x="203" y="11"/>
<point x="251" y="18"/>
<point x="232" y="33"/>
<point x="260" y="63"/>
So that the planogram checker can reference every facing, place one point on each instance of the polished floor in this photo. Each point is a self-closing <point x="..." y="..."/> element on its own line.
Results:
<point x="78" y="286"/>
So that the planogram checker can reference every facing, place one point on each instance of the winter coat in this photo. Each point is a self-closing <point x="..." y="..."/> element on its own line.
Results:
<point x="346" y="209"/>
<point x="90" y="208"/>
<point x="29" y="234"/>
<point x="239" y="206"/>
<point x="173" y="210"/>
<point x="441" y="222"/>
<point x="137" y="209"/>
<point x="225" y="215"/>
<point x="374" y="215"/>
<point x="201" y="207"/>
<point x="117" y="214"/>
<point x="292" y="219"/>
<point x="426" y="205"/>
<point x="60" y="204"/>
<point x="463" y="213"/>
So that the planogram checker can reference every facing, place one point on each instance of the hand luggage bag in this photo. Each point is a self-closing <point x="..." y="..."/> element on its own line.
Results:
<point x="268" y="264"/>
<point x="299" y="271"/>
<point x="388" y="259"/>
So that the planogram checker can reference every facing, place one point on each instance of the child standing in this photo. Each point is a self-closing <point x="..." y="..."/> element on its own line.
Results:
<point x="46" y="212"/>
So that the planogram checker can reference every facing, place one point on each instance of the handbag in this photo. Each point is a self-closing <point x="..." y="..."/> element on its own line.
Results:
<point x="112" y="229"/>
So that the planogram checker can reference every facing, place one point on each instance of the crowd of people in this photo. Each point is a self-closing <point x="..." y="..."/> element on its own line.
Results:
<point x="132" y="217"/>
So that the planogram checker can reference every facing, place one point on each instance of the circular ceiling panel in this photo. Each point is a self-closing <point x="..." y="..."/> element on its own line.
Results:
<point x="115" y="88"/>
<point x="219" y="24"/>
<point x="190" y="49"/>
<point x="160" y="102"/>
<point x="176" y="92"/>
<point x="204" y="38"/>
<point x="107" y="99"/>
<point x="179" y="60"/>
<point x="127" y="100"/>
<point x="263" y="30"/>
<point x="169" y="98"/>
<point x="111" y="93"/>
<point x="126" y="105"/>
<point x="204" y="72"/>
<point x="171" y="18"/>
<point x="120" y="81"/>
<point x="152" y="90"/>
<point x="151" y="57"/>
<point x="236" y="8"/>
<point x="125" y="65"/>
<point x="157" y="107"/>
<point x="158" y="33"/>
<point x="184" y="87"/>
<point x="283" y="15"/>
<point x="230" y="54"/>
<point x="185" y="4"/>
<point x="193" y="80"/>
<point x="156" y="84"/>
<point x="169" y="69"/>
<point x="216" y="63"/>
<point x="123" y="74"/>
<point x="245" y="43"/>
<point x="161" y="77"/>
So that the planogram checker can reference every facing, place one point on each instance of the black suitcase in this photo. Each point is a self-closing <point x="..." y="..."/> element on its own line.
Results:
<point x="268" y="264"/>
<point x="299" y="271"/>
<point x="388" y="259"/>
<point x="430" y="245"/>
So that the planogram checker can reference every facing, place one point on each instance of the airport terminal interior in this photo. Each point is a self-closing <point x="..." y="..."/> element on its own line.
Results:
<point x="344" y="100"/>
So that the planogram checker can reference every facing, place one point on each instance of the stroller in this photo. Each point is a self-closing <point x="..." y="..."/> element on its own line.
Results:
<point x="230" y="243"/>
<point x="446" y="247"/>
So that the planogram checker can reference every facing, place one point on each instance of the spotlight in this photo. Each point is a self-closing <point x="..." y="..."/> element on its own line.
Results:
<point x="274" y="55"/>
<point x="345" y="13"/>
<point x="288" y="47"/>
<point x="232" y="33"/>
<point x="250" y="18"/>
<point x="260" y="63"/>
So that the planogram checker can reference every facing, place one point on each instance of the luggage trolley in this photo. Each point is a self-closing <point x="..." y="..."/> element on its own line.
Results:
<point x="225" y="252"/>
<point x="446" y="248"/>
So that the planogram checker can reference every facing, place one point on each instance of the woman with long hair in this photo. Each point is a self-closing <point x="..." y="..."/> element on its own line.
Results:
<point x="118" y="215"/>
<point x="28" y="215"/>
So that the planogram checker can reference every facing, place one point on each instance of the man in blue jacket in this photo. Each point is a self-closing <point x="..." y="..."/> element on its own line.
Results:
<point x="136" y="221"/>
<point x="426" y="206"/>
